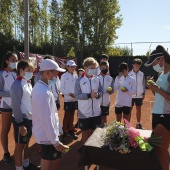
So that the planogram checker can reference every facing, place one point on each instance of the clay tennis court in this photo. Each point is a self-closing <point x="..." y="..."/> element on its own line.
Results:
<point x="71" y="159"/>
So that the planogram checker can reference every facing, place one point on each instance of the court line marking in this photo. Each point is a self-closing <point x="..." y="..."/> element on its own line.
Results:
<point x="112" y="106"/>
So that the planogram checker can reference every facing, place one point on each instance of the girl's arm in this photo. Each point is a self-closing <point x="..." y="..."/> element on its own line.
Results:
<point x="156" y="89"/>
<point x="3" y="93"/>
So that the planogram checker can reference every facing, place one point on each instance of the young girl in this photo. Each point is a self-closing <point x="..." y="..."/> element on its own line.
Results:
<point x="22" y="112"/>
<point x="7" y="77"/>
<point x="160" y="60"/>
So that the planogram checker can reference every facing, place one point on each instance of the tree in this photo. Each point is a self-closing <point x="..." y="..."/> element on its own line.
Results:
<point x="118" y="51"/>
<point x="91" y="23"/>
<point x="6" y="18"/>
<point x="125" y="51"/>
<point x="70" y="27"/>
<point x="103" y="24"/>
<point x="44" y="21"/>
<point x="85" y="27"/>
<point x="71" y="53"/>
<point x="34" y="23"/>
<point x="55" y="26"/>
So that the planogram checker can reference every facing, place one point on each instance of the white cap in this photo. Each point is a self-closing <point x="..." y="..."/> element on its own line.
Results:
<point x="71" y="63"/>
<point x="48" y="64"/>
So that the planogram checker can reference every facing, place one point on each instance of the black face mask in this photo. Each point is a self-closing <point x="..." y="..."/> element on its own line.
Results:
<point x="104" y="71"/>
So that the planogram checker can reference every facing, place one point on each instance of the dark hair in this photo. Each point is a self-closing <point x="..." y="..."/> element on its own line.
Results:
<point x="7" y="56"/>
<point x="104" y="56"/>
<point x="22" y="64"/>
<point x="81" y="69"/>
<point x="137" y="61"/>
<point x="104" y="63"/>
<point x="49" y="57"/>
<point x="123" y="66"/>
<point x="160" y="49"/>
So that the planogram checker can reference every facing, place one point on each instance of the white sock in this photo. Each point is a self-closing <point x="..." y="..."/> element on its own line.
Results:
<point x="26" y="162"/>
<point x="138" y="123"/>
<point x="19" y="167"/>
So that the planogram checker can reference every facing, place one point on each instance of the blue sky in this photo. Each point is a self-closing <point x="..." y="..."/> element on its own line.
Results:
<point x="144" y="21"/>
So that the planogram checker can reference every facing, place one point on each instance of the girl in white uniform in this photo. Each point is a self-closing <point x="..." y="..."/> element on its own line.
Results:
<point x="7" y="77"/>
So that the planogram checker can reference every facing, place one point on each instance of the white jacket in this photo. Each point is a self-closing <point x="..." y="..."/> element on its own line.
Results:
<point x="106" y="81"/>
<point x="67" y="86"/>
<point x="44" y="115"/>
<point x="140" y="83"/>
<point x="6" y="80"/>
<point x="87" y="106"/>
<point x="124" y="98"/>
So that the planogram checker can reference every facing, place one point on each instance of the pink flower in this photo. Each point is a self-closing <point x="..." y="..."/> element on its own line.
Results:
<point x="132" y="133"/>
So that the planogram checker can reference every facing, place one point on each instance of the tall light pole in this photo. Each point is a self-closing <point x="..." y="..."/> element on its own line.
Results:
<point x="26" y="28"/>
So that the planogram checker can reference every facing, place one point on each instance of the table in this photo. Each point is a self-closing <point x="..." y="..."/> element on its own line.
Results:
<point x="93" y="153"/>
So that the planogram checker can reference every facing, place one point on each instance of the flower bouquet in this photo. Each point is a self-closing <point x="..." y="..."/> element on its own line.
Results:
<point x="122" y="137"/>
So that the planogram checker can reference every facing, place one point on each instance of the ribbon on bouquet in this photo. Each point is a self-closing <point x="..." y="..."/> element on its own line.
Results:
<point x="143" y="144"/>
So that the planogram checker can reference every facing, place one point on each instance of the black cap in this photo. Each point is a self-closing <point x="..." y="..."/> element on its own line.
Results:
<point x="152" y="58"/>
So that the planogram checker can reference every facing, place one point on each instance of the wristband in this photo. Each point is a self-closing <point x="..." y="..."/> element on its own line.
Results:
<point x="56" y="144"/>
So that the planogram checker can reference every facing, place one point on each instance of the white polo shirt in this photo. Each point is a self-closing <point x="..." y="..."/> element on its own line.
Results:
<point x="67" y="86"/>
<point x="124" y="98"/>
<point x="44" y="115"/>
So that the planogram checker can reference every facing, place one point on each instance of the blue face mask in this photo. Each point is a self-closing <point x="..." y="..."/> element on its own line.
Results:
<point x="28" y="75"/>
<point x="53" y="81"/>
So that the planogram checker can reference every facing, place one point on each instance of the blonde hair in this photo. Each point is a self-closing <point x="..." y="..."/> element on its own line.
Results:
<point x="90" y="61"/>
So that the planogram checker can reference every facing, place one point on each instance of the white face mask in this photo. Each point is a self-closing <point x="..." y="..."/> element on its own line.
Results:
<point x="158" y="68"/>
<point x="91" y="72"/>
<point x="13" y="65"/>
<point x="28" y="75"/>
